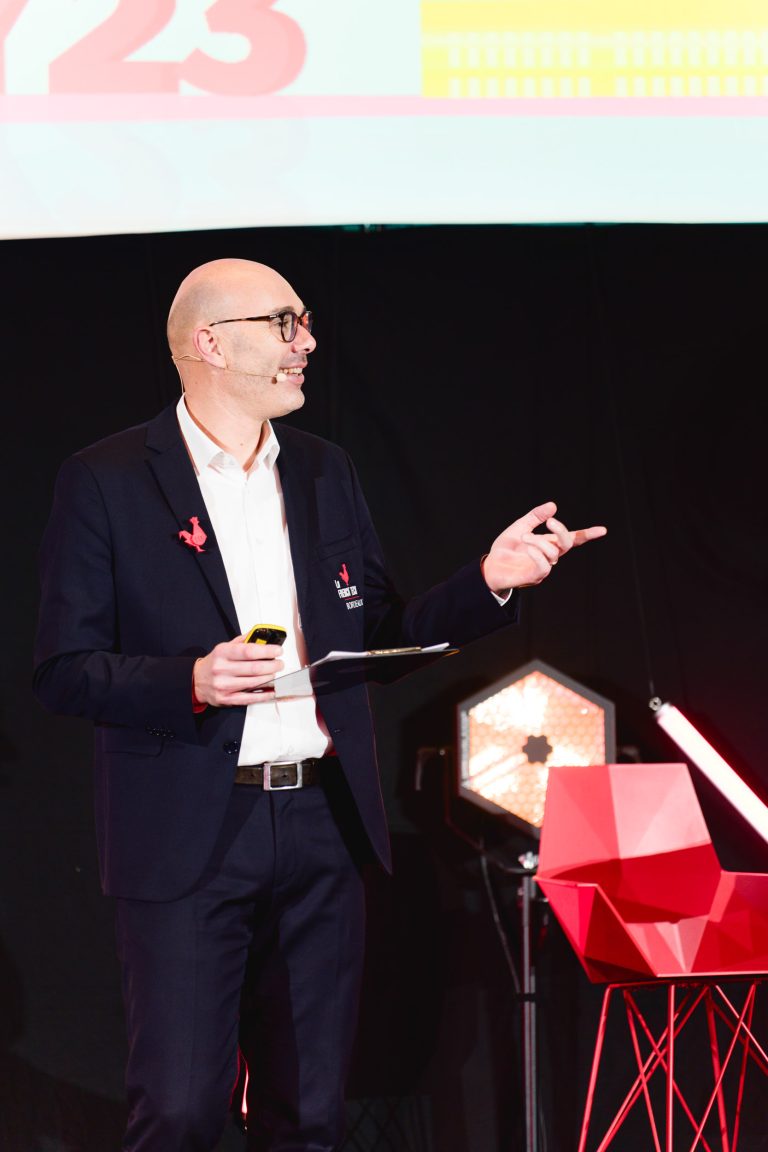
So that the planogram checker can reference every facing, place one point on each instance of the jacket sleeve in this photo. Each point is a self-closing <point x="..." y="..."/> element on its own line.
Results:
<point x="79" y="669"/>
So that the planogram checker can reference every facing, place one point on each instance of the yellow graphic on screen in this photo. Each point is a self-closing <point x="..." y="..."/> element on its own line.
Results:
<point x="593" y="48"/>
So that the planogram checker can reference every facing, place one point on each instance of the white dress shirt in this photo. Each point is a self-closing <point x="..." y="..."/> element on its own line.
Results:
<point x="247" y="512"/>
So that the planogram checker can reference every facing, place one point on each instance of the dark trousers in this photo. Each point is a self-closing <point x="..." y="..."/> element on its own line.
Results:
<point x="283" y="898"/>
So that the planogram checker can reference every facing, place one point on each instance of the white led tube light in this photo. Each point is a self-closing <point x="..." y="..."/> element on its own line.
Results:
<point x="717" y="770"/>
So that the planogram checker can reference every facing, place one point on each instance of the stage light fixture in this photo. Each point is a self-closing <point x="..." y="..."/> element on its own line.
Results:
<point x="717" y="770"/>
<point x="512" y="732"/>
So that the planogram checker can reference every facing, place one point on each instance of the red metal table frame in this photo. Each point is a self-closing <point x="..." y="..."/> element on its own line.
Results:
<point x="683" y="998"/>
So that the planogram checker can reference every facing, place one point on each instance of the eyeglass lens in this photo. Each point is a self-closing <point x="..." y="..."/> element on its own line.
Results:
<point x="289" y="322"/>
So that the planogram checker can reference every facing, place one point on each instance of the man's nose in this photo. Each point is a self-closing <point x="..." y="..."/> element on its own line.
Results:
<point x="304" y="341"/>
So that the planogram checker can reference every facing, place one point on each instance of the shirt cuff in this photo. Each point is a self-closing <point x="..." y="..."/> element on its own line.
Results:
<point x="197" y="705"/>
<point x="500" y="597"/>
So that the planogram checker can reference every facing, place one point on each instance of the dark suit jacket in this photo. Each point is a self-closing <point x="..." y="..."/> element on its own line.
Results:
<point x="127" y="607"/>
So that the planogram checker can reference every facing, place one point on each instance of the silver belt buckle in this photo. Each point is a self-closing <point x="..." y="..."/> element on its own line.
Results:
<point x="270" y="787"/>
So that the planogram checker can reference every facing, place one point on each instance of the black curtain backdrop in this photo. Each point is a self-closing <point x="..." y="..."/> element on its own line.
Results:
<point x="472" y="372"/>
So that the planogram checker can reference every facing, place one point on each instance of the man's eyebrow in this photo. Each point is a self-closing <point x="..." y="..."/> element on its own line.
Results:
<point x="297" y="308"/>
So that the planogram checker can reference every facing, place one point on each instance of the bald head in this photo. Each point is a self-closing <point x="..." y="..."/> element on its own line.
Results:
<point x="218" y="290"/>
<point x="237" y="373"/>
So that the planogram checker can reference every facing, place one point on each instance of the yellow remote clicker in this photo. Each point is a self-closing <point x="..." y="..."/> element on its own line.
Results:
<point x="265" y="634"/>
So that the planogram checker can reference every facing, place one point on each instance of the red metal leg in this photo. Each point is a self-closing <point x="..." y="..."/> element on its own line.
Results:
<point x="595" y="1065"/>
<point x="680" y="1009"/>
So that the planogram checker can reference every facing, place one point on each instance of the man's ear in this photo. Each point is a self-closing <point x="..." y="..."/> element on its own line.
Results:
<point x="206" y="344"/>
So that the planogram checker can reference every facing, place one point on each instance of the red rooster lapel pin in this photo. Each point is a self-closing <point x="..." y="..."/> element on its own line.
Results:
<point x="196" y="538"/>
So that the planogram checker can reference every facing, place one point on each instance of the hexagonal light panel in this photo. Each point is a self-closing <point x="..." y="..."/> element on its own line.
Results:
<point x="511" y="733"/>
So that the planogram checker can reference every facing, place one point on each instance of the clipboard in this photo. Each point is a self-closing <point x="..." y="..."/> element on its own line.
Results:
<point x="337" y="670"/>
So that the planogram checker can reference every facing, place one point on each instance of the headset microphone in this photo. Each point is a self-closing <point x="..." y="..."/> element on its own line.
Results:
<point x="277" y="378"/>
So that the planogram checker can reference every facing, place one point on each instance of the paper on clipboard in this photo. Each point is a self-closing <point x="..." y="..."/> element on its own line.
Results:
<point x="338" y="669"/>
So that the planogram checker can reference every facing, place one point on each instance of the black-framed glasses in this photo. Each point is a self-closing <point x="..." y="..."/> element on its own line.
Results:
<point x="286" y="318"/>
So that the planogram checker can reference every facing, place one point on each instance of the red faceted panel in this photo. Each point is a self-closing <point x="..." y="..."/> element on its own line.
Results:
<point x="629" y="869"/>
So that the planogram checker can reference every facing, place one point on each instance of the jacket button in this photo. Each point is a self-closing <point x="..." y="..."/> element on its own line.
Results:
<point x="231" y="747"/>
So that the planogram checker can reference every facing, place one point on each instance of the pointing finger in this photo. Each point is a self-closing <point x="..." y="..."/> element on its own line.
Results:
<point x="582" y="535"/>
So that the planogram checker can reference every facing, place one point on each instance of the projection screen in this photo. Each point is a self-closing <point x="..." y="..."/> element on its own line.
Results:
<point x="166" y="115"/>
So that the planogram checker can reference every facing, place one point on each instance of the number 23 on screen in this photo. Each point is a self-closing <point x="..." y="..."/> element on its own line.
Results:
<point x="98" y="62"/>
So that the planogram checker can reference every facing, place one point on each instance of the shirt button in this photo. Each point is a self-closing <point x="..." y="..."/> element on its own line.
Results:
<point x="231" y="747"/>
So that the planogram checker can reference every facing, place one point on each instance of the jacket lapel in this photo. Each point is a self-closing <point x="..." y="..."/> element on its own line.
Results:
<point x="300" y="513"/>
<point x="169" y="460"/>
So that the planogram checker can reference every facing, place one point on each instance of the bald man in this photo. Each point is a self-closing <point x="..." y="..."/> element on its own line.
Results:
<point x="234" y="826"/>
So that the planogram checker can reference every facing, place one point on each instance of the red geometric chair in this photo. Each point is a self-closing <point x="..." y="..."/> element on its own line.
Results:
<point x="629" y="869"/>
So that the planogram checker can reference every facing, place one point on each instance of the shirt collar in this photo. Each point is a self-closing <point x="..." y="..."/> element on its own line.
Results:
<point x="205" y="453"/>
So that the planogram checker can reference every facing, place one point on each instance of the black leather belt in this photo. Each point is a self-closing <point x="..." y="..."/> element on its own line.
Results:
<point x="270" y="777"/>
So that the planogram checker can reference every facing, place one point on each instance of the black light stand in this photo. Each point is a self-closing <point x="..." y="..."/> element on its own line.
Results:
<point x="529" y="861"/>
